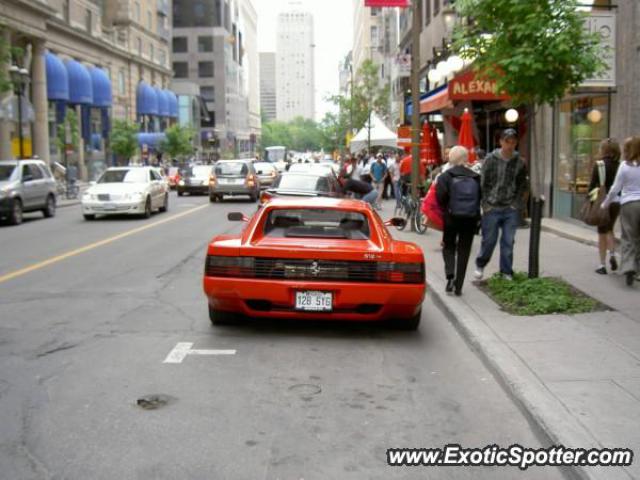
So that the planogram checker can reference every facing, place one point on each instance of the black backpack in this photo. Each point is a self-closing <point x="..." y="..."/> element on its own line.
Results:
<point x="464" y="196"/>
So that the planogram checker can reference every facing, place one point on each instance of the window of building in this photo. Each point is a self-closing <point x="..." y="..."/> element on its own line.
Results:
<point x="205" y="44"/>
<point x="240" y="48"/>
<point x="180" y="45"/>
<point x="436" y="7"/>
<point x="375" y="11"/>
<point x="426" y="8"/>
<point x="208" y="93"/>
<point x="211" y="122"/>
<point x="149" y="20"/>
<point x="152" y="53"/>
<point x="374" y="36"/>
<point x="88" y="21"/>
<point x="139" y="41"/>
<point x="66" y="12"/>
<point x="136" y="12"/>
<point x="205" y="69"/>
<point x="121" y="83"/>
<point x="180" y="69"/>
<point x="163" y="57"/>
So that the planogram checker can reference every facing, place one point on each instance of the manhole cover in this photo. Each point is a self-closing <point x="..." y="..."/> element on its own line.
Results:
<point x="305" y="389"/>
<point x="154" y="401"/>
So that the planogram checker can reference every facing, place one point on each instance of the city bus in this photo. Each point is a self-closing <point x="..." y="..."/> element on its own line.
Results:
<point x="277" y="154"/>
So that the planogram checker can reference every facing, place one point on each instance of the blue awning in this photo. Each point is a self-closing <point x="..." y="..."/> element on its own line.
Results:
<point x="173" y="103"/>
<point x="147" y="100"/>
<point x="57" y="78"/>
<point x="80" y="85"/>
<point x="163" y="102"/>
<point x="151" y="140"/>
<point x="101" y="87"/>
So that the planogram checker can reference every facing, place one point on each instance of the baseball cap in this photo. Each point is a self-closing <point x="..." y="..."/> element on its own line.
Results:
<point x="509" y="133"/>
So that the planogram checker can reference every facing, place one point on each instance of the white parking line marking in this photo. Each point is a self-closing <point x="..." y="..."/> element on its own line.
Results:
<point x="182" y="349"/>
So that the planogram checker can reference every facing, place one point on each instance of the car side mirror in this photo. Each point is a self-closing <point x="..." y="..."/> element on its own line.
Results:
<point x="237" y="217"/>
<point x="398" y="222"/>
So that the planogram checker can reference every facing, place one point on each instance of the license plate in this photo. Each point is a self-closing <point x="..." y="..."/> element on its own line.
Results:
<point x="109" y="206"/>
<point x="239" y="181"/>
<point x="314" y="301"/>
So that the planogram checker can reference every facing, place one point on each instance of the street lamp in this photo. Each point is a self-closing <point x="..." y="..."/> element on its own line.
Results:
<point x="19" y="79"/>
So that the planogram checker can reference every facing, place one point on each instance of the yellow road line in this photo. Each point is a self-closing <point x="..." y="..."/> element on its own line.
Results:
<point x="86" y="248"/>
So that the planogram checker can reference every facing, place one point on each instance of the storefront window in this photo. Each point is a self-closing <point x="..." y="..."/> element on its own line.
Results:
<point x="581" y="124"/>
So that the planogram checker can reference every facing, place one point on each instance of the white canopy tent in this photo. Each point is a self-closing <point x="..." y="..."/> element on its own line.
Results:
<point x="381" y="136"/>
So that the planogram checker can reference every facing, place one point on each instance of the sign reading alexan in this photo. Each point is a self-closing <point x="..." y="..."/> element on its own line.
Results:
<point x="604" y="24"/>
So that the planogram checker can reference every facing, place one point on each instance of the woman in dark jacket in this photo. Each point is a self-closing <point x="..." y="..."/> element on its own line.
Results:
<point x="458" y="194"/>
<point x="609" y="154"/>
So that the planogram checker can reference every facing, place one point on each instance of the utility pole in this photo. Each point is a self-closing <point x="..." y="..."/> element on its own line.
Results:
<point x="415" y="99"/>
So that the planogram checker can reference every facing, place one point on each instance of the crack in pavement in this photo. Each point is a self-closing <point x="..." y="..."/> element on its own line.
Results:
<point x="64" y="346"/>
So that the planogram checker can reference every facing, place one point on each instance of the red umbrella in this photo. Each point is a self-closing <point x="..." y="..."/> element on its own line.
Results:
<point x="465" y="137"/>
<point x="427" y="150"/>
<point x="436" y="146"/>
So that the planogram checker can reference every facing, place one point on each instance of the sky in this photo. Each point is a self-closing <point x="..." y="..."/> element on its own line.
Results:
<point x="333" y="31"/>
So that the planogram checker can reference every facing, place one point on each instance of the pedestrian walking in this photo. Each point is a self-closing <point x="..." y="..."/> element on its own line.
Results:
<point x="458" y="193"/>
<point x="503" y="183"/>
<point x="627" y="185"/>
<point x="606" y="168"/>
<point x="378" y="174"/>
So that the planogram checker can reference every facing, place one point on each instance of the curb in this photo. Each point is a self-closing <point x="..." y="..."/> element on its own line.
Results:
<point x="68" y="204"/>
<point x="549" y="417"/>
<point x="569" y="236"/>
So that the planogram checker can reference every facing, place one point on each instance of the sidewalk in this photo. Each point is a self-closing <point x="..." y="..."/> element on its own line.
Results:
<point x="68" y="202"/>
<point x="577" y="378"/>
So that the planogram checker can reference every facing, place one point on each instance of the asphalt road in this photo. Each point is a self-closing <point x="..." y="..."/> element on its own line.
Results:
<point x="90" y="310"/>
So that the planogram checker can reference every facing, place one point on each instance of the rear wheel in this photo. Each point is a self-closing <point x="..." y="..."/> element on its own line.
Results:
<point x="420" y="222"/>
<point x="223" y="318"/>
<point x="88" y="217"/>
<point x="180" y="193"/>
<point x="15" y="217"/>
<point x="50" y="208"/>
<point x="409" y="324"/>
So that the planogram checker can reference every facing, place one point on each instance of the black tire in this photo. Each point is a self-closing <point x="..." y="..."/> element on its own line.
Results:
<point x="147" y="208"/>
<point x="89" y="216"/>
<point x="15" y="217"/>
<point x="408" y="324"/>
<point x="165" y="205"/>
<point x="180" y="193"/>
<point x="418" y="221"/>
<point x="223" y="318"/>
<point x="50" y="208"/>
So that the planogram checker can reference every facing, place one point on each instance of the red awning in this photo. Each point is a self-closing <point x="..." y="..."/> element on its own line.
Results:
<point x="436" y="102"/>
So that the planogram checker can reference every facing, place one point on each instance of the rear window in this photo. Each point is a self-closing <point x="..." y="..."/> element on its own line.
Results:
<point x="232" y="169"/>
<point x="198" y="171"/>
<point x="6" y="171"/>
<point x="304" y="183"/>
<point x="264" y="167"/>
<point x="317" y="223"/>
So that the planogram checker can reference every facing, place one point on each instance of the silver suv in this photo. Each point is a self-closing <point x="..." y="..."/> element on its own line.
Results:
<point x="234" y="177"/>
<point x="26" y="186"/>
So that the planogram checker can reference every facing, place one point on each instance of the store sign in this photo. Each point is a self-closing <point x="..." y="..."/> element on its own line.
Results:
<point x="404" y="136"/>
<point x="386" y="3"/>
<point x="470" y="87"/>
<point x="604" y="24"/>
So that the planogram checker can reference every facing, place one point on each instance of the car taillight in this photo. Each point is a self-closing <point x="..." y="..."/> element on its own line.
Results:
<point x="265" y="197"/>
<point x="394" y="272"/>
<point x="217" y="266"/>
<point x="251" y="181"/>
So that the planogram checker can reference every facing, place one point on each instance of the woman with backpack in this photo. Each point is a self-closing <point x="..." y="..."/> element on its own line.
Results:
<point x="458" y="193"/>
<point x="627" y="185"/>
<point x="604" y="171"/>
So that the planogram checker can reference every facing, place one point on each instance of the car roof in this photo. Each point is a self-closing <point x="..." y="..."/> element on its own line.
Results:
<point x="228" y="160"/>
<point x="318" y="202"/>
<point x="309" y="173"/>
<point x="24" y="160"/>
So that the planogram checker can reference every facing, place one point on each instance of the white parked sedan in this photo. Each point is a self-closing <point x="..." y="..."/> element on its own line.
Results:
<point x="126" y="191"/>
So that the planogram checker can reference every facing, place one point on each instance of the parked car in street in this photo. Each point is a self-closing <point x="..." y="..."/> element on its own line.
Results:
<point x="126" y="191"/>
<point x="314" y="259"/>
<point x="26" y="186"/>
<point x="267" y="173"/>
<point x="314" y="183"/>
<point x="234" y="177"/>
<point x="194" y="179"/>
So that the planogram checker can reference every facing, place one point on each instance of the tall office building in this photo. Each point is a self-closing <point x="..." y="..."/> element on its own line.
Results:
<point x="214" y="45"/>
<point x="295" y="82"/>
<point x="268" y="85"/>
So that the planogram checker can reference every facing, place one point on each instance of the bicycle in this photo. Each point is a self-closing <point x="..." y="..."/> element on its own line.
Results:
<point x="68" y="190"/>
<point x="409" y="208"/>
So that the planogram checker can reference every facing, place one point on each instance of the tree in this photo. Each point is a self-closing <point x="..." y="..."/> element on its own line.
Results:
<point x="124" y="140"/>
<point x="177" y="141"/>
<point x="536" y="51"/>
